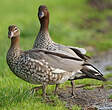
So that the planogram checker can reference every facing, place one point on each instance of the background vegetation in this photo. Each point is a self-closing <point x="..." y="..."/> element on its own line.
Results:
<point x="72" y="22"/>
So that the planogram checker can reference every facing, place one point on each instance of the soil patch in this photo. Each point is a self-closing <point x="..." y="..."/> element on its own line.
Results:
<point x="87" y="99"/>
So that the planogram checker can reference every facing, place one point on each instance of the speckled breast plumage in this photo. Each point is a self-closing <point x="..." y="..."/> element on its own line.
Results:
<point x="43" y="41"/>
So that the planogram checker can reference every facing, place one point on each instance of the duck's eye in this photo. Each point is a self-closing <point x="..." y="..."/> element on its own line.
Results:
<point x="45" y="8"/>
<point x="15" y="30"/>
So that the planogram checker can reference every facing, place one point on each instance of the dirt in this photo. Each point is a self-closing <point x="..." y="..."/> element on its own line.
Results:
<point x="87" y="99"/>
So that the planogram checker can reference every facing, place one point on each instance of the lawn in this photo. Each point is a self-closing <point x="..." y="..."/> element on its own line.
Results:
<point x="68" y="25"/>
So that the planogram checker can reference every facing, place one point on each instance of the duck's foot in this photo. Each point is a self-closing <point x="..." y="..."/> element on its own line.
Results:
<point x="35" y="89"/>
<point x="47" y="99"/>
<point x="73" y="94"/>
<point x="44" y="91"/>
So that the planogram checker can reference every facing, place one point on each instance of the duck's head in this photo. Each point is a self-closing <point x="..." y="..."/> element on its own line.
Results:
<point x="13" y="31"/>
<point x="43" y="12"/>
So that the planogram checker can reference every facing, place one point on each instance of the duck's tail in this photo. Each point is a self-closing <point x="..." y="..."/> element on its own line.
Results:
<point x="89" y="71"/>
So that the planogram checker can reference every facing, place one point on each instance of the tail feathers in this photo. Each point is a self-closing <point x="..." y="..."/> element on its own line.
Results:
<point x="92" y="72"/>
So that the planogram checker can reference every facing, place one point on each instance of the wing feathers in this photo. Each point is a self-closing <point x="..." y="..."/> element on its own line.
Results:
<point x="80" y="53"/>
<point x="57" y="54"/>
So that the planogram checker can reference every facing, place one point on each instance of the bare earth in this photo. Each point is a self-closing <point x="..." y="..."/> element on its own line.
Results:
<point x="87" y="99"/>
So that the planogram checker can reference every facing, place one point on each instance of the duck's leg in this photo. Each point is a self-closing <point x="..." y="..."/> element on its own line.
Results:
<point x="35" y="89"/>
<point x="56" y="89"/>
<point x="44" y="90"/>
<point x="73" y="89"/>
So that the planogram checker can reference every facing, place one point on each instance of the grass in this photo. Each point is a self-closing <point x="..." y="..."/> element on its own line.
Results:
<point x="67" y="26"/>
<point x="109" y="68"/>
<point x="110" y="97"/>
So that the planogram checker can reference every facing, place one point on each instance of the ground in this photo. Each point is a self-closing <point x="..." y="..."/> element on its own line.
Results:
<point x="82" y="23"/>
<point x="96" y="98"/>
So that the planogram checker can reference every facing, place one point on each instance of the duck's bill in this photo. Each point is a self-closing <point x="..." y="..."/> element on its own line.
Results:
<point x="10" y="34"/>
<point x="41" y="14"/>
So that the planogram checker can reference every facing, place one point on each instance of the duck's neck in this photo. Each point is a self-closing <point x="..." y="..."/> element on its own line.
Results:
<point x="43" y="36"/>
<point x="43" y="39"/>
<point x="44" y="24"/>
<point x="13" y="52"/>
<point x="15" y="43"/>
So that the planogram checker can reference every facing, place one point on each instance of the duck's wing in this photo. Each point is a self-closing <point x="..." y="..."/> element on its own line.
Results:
<point x="81" y="52"/>
<point x="61" y="63"/>
<point x="72" y="51"/>
<point x="56" y="60"/>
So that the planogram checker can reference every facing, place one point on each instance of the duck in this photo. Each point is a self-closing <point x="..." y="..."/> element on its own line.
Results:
<point x="44" y="41"/>
<point x="41" y="66"/>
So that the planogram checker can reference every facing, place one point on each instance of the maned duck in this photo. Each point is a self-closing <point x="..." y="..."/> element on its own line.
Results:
<point x="44" y="41"/>
<point x="40" y="66"/>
